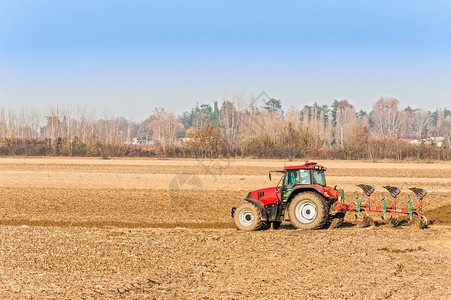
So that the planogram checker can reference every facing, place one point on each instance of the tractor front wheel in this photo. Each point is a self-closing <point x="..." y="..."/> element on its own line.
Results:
<point x="247" y="217"/>
<point x="308" y="210"/>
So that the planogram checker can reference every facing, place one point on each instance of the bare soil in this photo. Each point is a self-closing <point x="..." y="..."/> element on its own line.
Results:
<point x="144" y="228"/>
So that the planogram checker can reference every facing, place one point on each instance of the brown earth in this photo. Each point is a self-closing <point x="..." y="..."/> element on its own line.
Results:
<point x="145" y="228"/>
<point x="440" y="215"/>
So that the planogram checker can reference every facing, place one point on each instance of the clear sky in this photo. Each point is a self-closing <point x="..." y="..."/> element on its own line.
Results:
<point x="131" y="56"/>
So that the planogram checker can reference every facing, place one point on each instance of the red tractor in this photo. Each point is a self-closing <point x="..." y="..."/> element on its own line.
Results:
<point x="301" y="194"/>
<point x="303" y="198"/>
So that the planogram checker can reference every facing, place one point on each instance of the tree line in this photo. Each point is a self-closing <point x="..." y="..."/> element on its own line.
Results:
<point x="234" y="127"/>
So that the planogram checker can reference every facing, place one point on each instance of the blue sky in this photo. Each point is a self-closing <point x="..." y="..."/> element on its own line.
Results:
<point x="130" y="56"/>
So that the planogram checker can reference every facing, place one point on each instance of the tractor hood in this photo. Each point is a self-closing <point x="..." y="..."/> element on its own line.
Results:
<point x="265" y="196"/>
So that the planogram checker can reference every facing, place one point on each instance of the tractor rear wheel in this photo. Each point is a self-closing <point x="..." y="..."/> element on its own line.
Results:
<point x="247" y="217"/>
<point x="308" y="210"/>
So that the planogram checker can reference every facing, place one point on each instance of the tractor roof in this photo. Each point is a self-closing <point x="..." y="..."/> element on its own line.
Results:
<point x="307" y="165"/>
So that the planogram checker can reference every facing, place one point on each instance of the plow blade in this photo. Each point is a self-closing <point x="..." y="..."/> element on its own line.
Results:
<point x="367" y="221"/>
<point x="367" y="189"/>
<point x="394" y="191"/>
<point x="394" y="221"/>
<point x="415" y="213"/>
<point x="420" y="193"/>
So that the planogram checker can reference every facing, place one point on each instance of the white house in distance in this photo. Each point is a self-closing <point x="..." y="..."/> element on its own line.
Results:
<point x="436" y="141"/>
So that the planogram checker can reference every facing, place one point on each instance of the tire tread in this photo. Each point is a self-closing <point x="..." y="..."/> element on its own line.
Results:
<point x="257" y="217"/>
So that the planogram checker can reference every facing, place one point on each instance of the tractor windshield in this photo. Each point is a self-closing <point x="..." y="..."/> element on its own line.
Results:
<point x="319" y="178"/>
<point x="296" y="177"/>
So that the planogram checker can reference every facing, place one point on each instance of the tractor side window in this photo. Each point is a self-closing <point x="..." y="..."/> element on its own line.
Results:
<point x="291" y="178"/>
<point x="304" y="176"/>
<point x="319" y="178"/>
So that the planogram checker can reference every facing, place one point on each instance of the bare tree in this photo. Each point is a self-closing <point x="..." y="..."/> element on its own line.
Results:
<point x="386" y="116"/>
<point x="165" y="128"/>
<point x="293" y="117"/>
<point x="346" y="121"/>
<point x="421" y="120"/>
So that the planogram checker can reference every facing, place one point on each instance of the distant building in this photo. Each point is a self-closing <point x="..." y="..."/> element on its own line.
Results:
<point x="438" y="141"/>
<point x="435" y="141"/>
<point x="185" y="140"/>
<point x="140" y="141"/>
<point x="407" y="140"/>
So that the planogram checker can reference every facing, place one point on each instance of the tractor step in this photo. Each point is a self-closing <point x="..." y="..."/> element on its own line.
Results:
<point x="233" y="212"/>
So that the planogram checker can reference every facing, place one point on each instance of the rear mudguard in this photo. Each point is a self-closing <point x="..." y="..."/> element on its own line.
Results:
<point x="315" y="188"/>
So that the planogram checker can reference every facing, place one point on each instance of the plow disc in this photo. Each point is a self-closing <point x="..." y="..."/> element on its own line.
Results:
<point x="363" y="205"/>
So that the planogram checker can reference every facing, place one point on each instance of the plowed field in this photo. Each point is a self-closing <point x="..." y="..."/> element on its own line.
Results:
<point x="143" y="228"/>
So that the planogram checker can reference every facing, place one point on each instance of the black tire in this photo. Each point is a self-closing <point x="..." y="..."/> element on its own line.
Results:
<point x="248" y="217"/>
<point x="265" y="226"/>
<point x="308" y="210"/>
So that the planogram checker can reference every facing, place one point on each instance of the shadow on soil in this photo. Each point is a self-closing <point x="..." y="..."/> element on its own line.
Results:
<point x="100" y="224"/>
<point x="440" y="215"/>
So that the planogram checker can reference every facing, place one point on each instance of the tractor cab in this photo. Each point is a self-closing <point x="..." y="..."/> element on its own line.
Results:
<point x="309" y="174"/>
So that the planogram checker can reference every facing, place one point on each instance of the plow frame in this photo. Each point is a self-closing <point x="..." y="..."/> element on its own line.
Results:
<point x="365" y="205"/>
